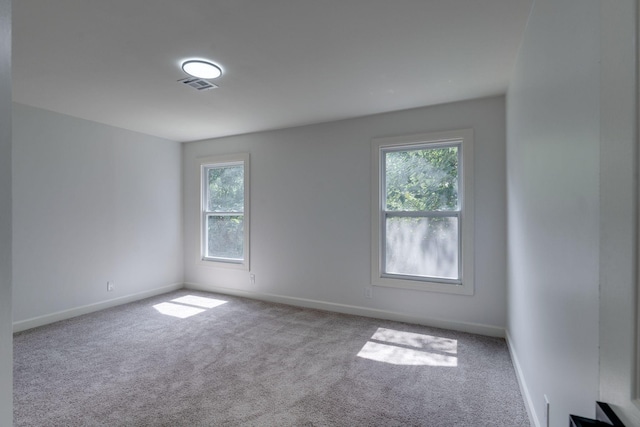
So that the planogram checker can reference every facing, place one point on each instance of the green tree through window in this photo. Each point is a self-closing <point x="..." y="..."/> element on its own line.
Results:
<point x="224" y="212"/>
<point x="422" y="179"/>
<point x="421" y="212"/>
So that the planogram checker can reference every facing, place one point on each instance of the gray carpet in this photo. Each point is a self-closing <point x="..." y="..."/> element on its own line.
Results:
<point x="251" y="363"/>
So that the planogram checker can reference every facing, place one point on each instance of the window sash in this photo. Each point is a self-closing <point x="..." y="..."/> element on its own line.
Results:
<point x="463" y="212"/>
<point x="421" y="214"/>
<point x="205" y="238"/>
<point x="386" y="214"/>
<point x="205" y="182"/>
<point x="417" y="147"/>
<point x="221" y="162"/>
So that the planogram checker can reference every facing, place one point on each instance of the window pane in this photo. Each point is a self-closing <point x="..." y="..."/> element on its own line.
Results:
<point x="422" y="180"/>
<point x="225" y="237"/>
<point x="425" y="247"/>
<point x="225" y="191"/>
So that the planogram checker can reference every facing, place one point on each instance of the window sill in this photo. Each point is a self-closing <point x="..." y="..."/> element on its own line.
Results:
<point x="225" y="265"/>
<point x="418" y="285"/>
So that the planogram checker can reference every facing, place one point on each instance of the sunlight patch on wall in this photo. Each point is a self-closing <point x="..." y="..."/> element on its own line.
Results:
<point x="410" y="349"/>
<point x="187" y="306"/>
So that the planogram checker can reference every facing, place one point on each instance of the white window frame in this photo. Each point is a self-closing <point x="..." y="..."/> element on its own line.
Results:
<point x="635" y="398"/>
<point x="205" y="163"/>
<point x="464" y="138"/>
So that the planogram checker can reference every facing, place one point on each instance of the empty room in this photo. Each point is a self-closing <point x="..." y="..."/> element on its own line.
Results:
<point x="328" y="213"/>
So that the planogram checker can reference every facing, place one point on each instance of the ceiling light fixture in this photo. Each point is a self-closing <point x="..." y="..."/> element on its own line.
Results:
<point x="201" y="69"/>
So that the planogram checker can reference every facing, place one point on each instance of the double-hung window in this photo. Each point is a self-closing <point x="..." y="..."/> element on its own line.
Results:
<point x="422" y="212"/>
<point x="225" y="210"/>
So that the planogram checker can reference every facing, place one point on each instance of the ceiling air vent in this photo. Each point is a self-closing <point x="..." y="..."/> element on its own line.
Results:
<point x="198" y="84"/>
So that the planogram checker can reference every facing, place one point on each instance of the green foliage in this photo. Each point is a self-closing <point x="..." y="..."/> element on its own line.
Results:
<point x="423" y="179"/>
<point x="226" y="189"/>
<point x="225" y="193"/>
<point x="225" y="236"/>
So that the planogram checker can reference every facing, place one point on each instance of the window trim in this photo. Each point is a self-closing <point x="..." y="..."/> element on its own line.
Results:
<point x="224" y="160"/>
<point x="635" y="396"/>
<point x="466" y="215"/>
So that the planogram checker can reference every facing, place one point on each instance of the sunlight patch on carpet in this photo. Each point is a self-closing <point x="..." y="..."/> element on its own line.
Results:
<point x="187" y="306"/>
<point x="410" y="349"/>
<point x="199" y="301"/>
<point x="177" y="310"/>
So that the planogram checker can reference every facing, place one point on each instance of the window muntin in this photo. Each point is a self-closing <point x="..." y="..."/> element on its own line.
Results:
<point x="422" y="228"/>
<point x="224" y="213"/>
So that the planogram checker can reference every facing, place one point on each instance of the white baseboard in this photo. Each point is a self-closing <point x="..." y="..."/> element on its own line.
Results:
<point x="34" y="322"/>
<point x="473" y="328"/>
<point x="524" y="390"/>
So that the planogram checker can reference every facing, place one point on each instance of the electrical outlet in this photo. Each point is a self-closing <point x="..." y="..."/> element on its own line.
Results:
<point x="546" y="410"/>
<point x="368" y="291"/>
<point x="110" y="286"/>
<point x="253" y="278"/>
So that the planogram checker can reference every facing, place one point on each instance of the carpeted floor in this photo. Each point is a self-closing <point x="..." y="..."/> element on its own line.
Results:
<point x="191" y="358"/>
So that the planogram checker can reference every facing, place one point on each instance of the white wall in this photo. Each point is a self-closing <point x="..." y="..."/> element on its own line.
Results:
<point x="310" y="224"/>
<point x="92" y="203"/>
<point x="618" y="206"/>
<point x="555" y="217"/>
<point x="6" y="340"/>
<point x="552" y="176"/>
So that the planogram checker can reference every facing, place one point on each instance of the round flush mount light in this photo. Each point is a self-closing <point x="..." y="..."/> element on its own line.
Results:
<point x="201" y="69"/>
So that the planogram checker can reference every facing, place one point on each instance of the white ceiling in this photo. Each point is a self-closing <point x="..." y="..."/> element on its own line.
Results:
<point x="286" y="62"/>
